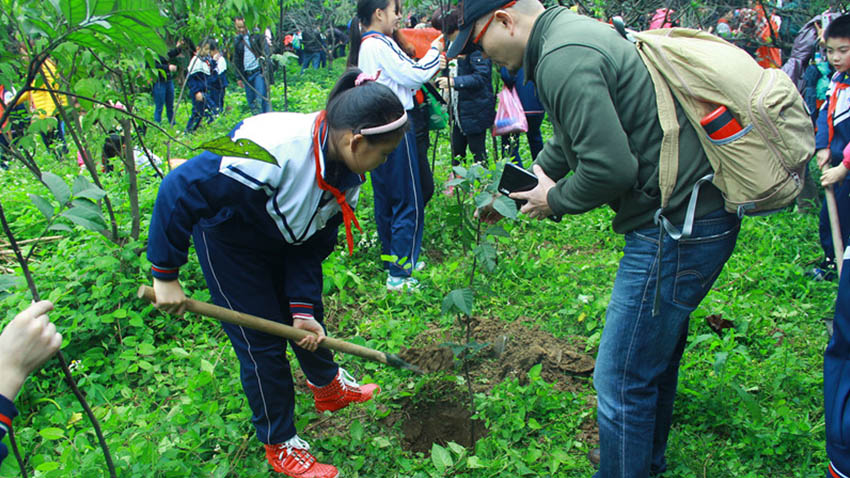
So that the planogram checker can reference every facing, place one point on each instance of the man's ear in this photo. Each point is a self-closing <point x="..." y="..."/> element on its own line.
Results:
<point x="505" y="19"/>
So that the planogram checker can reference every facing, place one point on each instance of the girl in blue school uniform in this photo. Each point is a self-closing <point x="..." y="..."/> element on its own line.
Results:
<point x="201" y="74"/>
<point x="399" y="202"/>
<point x="261" y="232"/>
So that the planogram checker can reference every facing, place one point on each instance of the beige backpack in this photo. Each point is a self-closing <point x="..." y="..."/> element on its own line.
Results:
<point x="759" y="169"/>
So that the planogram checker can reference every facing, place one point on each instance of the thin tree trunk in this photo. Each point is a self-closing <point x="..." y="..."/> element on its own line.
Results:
<point x="133" y="189"/>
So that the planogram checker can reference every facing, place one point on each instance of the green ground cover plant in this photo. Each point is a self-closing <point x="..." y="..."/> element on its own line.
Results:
<point x="167" y="394"/>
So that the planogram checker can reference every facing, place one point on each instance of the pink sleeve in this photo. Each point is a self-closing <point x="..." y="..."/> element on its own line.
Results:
<point x="81" y="163"/>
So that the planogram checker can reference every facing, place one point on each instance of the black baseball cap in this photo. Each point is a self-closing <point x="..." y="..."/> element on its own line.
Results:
<point x="469" y="11"/>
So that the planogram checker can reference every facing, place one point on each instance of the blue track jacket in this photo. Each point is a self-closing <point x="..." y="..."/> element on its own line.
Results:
<point x="272" y="209"/>
<point x="841" y="127"/>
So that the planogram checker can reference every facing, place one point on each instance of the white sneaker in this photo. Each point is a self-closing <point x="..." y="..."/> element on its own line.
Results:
<point x="402" y="284"/>
<point x="419" y="266"/>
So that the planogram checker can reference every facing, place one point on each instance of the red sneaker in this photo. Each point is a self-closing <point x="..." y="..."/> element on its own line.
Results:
<point x="292" y="459"/>
<point x="341" y="391"/>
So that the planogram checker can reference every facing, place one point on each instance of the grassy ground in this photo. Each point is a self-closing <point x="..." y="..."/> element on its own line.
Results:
<point x="168" y="396"/>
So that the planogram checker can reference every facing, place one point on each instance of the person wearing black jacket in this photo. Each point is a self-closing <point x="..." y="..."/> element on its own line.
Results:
<point x="474" y="105"/>
<point x="473" y="102"/>
<point x="249" y="54"/>
<point x="163" y="87"/>
<point x="312" y="44"/>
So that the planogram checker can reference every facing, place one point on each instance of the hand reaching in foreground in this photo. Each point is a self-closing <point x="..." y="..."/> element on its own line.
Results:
<point x="25" y="344"/>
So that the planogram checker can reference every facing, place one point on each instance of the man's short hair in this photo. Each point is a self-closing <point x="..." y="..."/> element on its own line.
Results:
<point x="238" y="17"/>
<point x="838" y="28"/>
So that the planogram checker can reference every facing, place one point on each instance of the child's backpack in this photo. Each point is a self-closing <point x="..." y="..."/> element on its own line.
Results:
<point x="759" y="152"/>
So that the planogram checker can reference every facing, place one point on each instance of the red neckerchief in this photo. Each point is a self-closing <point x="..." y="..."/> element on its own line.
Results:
<point x="320" y="129"/>
<point x="831" y="109"/>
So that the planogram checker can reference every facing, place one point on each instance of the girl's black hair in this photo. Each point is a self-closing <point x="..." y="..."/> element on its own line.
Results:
<point x="368" y="105"/>
<point x="212" y="43"/>
<point x="365" y="9"/>
<point x="445" y="22"/>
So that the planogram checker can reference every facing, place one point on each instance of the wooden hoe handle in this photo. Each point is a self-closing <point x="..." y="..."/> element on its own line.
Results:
<point x="268" y="326"/>
<point x="835" y="227"/>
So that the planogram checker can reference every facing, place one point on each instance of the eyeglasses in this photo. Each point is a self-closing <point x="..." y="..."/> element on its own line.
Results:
<point x="487" y="25"/>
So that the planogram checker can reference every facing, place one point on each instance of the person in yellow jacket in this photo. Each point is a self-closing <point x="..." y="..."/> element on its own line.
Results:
<point x="42" y="105"/>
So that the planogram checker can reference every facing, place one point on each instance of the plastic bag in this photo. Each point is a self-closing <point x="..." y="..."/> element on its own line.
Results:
<point x="437" y="117"/>
<point x="510" y="117"/>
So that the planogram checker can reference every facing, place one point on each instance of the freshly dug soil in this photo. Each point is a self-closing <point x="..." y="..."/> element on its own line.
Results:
<point x="430" y="359"/>
<point x="440" y="416"/>
<point x="513" y="348"/>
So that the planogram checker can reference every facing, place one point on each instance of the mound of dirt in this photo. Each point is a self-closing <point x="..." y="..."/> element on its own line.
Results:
<point x="513" y="348"/>
<point x="430" y="359"/>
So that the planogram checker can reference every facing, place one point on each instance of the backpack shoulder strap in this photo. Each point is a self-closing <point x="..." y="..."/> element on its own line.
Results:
<point x="668" y="161"/>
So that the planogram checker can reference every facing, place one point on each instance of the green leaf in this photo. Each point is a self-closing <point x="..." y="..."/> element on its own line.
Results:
<point x="145" y="348"/>
<point x="459" y="450"/>
<point x="460" y="171"/>
<point x="356" y="430"/>
<point x="59" y="227"/>
<point x="461" y="299"/>
<point x="752" y="405"/>
<point x="83" y="188"/>
<point x="51" y="433"/>
<point x="380" y="442"/>
<point x="94" y="193"/>
<point x="83" y="216"/>
<point x="496" y="230"/>
<point x="505" y="206"/>
<point x="47" y="466"/>
<point x="534" y="424"/>
<point x="88" y="87"/>
<point x="474" y="462"/>
<point x="206" y="366"/>
<point x="43" y="205"/>
<point x="8" y="282"/>
<point x="57" y="187"/>
<point x="179" y="352"/>
<point x="483" y="199"/>
<point x="240" y="148"/>
<point x="441" y="458"/>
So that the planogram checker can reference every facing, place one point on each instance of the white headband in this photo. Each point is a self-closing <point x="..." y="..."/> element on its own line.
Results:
<point x="392" y="126"/>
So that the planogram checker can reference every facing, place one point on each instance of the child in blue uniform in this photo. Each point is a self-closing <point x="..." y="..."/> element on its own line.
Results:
<point x="201" y="75"/>
<point x="261" y="232"/>
<point x="399" y="202"/>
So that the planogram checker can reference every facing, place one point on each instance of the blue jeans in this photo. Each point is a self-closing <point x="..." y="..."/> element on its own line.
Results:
<point x="258" y="92"/>
<point x="313" y="57"/>
<point x="638" y="361"/>
<point x="163" y="95"/>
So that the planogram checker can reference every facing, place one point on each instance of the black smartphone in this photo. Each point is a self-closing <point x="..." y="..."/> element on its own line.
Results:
<point x="515" y="179"/>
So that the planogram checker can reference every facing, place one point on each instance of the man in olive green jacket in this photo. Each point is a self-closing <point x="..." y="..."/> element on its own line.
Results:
<point x="605" y="150"/>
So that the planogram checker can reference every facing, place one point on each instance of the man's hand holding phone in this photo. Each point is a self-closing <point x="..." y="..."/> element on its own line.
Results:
<point x="537" y="202"/>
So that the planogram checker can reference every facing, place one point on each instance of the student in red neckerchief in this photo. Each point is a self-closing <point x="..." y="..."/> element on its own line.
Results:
<point x="261" y="232"/>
